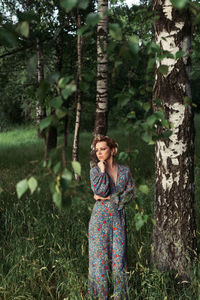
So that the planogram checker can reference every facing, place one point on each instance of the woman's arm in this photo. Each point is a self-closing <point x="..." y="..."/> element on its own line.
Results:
<point x="96" y="197"/>
<point x="127" y="192"/>
<point x="99" y="182"/>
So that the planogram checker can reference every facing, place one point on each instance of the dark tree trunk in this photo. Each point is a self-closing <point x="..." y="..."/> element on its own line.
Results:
<point x="51" y="141"/>
<point x="174" y="244"/>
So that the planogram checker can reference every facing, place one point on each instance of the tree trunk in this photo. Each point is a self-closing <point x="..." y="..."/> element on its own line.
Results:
<point x="174" y="244"/>
<point x="51" y="141"/>
<point x="78" y="108"/>
<point x="102" y="67"/>
<point x="40" y="111"/>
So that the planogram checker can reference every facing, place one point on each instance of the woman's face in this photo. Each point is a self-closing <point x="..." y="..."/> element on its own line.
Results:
<point x="103" y="151"/>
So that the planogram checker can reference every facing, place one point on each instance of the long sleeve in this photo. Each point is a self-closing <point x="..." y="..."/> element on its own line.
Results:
<point x="100" y="184"/>
<point x="126" y="192"/>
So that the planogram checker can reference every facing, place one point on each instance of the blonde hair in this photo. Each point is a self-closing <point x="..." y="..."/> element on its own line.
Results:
<point x="111" y="143"/>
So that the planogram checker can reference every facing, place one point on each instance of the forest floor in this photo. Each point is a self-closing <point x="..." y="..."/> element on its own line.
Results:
<point x="44" y="252"/>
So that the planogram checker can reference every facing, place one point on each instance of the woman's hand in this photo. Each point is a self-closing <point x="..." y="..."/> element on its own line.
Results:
<point x="97" y="197"/>
<point x="102" y="166"/>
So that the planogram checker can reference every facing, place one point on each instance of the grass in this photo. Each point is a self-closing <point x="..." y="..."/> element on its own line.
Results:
<point x="44" y="253"/>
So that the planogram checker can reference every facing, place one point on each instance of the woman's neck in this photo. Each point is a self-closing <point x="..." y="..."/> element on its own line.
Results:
<point x="110" y="164"/>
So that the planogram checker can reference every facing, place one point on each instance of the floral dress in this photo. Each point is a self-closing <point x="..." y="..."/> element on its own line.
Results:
<point x="107" y="233"/>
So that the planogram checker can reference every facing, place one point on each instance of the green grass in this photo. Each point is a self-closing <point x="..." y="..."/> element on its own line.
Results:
<point x="44" y="253"/>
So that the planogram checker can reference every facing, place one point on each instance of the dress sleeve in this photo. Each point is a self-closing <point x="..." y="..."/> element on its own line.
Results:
<point x="100" y="184"/>
<point x="127" y="192"/>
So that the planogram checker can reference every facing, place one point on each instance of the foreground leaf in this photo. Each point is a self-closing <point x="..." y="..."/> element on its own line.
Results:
<point x="144" y="189"/>
<point x="21" y="187"/>
<point x="140" y="220"/>
<point x="76" y="167"/>
<point x="57" y="199"/>
<point x="23" y="28"/>
<point x="32" y="183"/>
<point x="68" y="4"/>
<point x="45" y="123"/>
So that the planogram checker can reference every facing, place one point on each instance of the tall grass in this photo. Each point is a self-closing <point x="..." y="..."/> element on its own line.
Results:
<point x="44" y="253"/>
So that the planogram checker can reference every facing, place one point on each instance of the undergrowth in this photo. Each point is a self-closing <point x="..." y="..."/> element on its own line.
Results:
<point x="44" y="252"/>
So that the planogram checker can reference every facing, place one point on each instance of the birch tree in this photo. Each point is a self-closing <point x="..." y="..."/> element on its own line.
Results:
<point x="102" y="69"/>
<point x="40" y="112"/>
<point x="78" y="95"/>
<point x="174" y="231"/>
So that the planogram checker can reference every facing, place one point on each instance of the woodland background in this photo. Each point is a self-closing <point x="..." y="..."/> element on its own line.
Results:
<point x="44" y="244"/>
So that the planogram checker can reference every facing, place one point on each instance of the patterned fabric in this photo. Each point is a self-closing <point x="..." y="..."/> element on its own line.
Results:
<point x="107" y="233"/>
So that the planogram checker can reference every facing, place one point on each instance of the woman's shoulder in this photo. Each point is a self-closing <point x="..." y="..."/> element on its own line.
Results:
<point x="124" y="168"/>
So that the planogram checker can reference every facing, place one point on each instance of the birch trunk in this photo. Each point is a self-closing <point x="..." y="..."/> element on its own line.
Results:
<point x="40" y="111"/>
<point x="102" y="67"/>
<point x="78" y="108"/>
<point x="174" y="243"/>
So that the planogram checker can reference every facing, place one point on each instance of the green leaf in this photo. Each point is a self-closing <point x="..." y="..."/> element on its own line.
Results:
<point x="144" y="189"/>
<point x="179" y="54"/>
<point x="76" y="167"/>
<point x="131" y="115"/>
<point x="1" y="190"/>
<point x="133" y="44"/>
<point x="151" y="120"/>
<point x="146" y="106"/>
<point x="61" y="113"/>
<point x="23" y="28"/>
<point x="163" y="69"/>
<point x="115" y="32"/>
<point x="57" y="199"/>
<point x="21" y="187"/>
<point x="56" y="102"/>
<point x="165" y="123"/>
<point x="151" y="64"/>
<point x="140" y="220"/>
<point x="45" y="123"/>
<point x="83" y="4"/>
<point x="131" y="91"/>
<point x="118" y="63"/>
<point x="123" y="156"/>
<point x="64" y="81"/>
<point x="166" y="134"/>
<point x="53" y="77"/>
<point x="134" y="153"/>
<point x="93" y="19"/>
<point x="67" y="175"/>
<point x="43" y="89"/>
<point x="32" y="183"/>
<point x="147" y="137"/>
<point x="66" y="179"/>
<point x="68" y="4"/>
<point x="82" y="30"/>
<point x="7" y="38"/>
<point x="180" y="4"/>
<point x="187" y="100"/>
<point x="56" y="168"/>
<point x="68" y="90"/>
<point x="124" y="99"/>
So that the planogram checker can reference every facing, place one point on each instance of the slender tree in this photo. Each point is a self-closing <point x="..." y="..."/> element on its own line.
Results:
<point x="78" y="95"/>
<point x="40" y="111"/>
<point x="174" y="231"/>
<point x="51" y="141"/>
<point x="102" y="70"/>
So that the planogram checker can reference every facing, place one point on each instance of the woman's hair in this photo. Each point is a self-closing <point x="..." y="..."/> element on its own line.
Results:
<point x="109" y="141"/>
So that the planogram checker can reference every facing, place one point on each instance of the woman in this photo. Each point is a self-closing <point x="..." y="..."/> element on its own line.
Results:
<point x="112" y="185"/>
